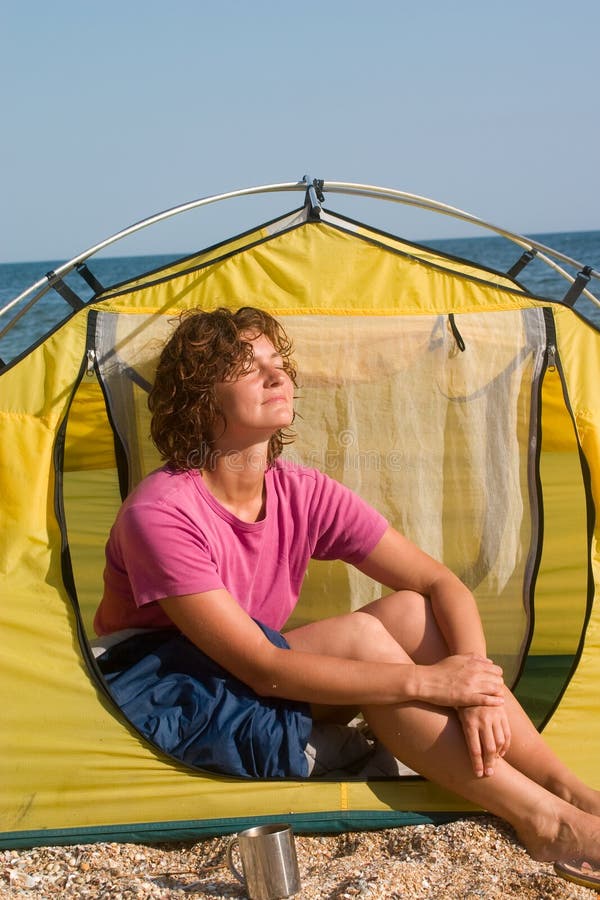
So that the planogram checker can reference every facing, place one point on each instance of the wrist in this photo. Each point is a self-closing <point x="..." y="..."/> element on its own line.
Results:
<point x="470" y="649"/>
<point x="414" y="683"/>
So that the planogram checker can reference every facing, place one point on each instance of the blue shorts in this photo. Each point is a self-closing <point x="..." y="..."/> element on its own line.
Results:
<point x="196" y="711"/>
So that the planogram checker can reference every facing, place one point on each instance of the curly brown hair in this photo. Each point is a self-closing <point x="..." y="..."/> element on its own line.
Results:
<point x="205" y="349"/>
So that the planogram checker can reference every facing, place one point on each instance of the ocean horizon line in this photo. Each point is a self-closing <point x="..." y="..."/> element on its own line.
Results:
<point x="175" y="254"/>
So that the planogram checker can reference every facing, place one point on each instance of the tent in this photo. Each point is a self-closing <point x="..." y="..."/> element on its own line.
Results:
<point x="457" y="402"/>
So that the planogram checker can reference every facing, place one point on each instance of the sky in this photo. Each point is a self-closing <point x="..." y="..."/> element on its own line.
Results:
<point x="113" y="111"/>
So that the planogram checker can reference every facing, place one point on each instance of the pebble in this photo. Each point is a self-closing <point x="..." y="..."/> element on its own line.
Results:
<point x="476" y="857"/>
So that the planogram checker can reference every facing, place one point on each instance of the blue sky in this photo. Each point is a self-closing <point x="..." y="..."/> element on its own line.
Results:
<point x="112" y="111"/>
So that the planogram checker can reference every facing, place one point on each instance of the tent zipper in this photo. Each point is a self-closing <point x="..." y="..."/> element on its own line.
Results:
<point x="91" y="362"/>
<point x="551" y="351"/>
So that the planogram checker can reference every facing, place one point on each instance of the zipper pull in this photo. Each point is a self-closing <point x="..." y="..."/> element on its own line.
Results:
<point x="551" y="357"/>
<point x="91" y="362"/>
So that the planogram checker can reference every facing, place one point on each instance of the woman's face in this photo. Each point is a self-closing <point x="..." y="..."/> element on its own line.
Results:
<point x="256" y="403"/>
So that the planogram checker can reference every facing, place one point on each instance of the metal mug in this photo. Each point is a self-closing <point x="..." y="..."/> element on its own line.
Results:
<point x="269" y="862"/>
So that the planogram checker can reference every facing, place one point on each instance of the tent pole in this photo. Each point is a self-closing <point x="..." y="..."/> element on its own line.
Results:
<point x="67" y="267"/>
<point x="364" y="190"/>
<point x="336" y="187"/>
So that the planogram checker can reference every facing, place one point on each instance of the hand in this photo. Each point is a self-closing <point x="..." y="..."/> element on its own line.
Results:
<point x="461" y="680"/>
<point x="487" y="733"/>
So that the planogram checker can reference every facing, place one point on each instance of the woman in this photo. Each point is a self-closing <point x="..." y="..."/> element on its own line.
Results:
<point x="207" y="556"/>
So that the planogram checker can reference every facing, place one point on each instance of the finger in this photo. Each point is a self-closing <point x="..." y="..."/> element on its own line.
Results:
<point x="487" y="681"/>
<point x="474" y="748"/>
<point x="502" y="736"/>
<point x="488" y="700"/>
<point x="495" y="685"/>
<point x="507" y="738"/>
<point x="498" y="670"/>
<point x="489" y="749"/>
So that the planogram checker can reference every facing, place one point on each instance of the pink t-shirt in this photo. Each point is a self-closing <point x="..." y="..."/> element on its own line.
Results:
<point x="172" y="537"/>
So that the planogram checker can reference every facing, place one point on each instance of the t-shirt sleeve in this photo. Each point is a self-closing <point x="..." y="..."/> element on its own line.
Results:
<point x="342" y="525"/>
<point x="162" y="553"/>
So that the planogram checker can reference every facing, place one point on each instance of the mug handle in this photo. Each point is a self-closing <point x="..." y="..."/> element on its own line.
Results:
<point x="232" y="843"/>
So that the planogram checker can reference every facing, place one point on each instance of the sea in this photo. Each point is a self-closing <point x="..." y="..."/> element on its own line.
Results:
<point x="19" y="332"/>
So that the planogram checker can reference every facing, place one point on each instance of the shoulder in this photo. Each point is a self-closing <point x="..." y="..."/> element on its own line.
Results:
<point x="286" y="470"/>
<point x="164" y="485"/>
<point x="306" y="484"/>
<point x="162" y="508"/>
<point x="287" y="475"/>
<point x="163" y="494"/>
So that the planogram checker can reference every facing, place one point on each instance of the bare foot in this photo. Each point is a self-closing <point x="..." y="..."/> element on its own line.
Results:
<point x="589" y="801"/>
<point x="573" y="835"/>
<point x="583" y="797"/>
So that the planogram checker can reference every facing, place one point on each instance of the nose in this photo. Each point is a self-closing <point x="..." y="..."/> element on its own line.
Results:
<point x="274" y="374"/>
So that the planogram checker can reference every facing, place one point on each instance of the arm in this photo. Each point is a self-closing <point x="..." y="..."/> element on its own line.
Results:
<point x="215" y="622"/>
<point x="399" y="564"/>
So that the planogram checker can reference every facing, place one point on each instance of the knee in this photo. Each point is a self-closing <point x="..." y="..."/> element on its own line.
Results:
<point x="408" y="616"/>
<point x="372" y="641"/>
<point x="401" y="603"/>
<point x="401" y="610"/>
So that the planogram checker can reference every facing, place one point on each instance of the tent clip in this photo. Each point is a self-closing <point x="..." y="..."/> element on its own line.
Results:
<point x="69" y="295"/>
<point x="89" y="278"/>
<point x="522" y="261"/>
<point x="456" y="333"/>
<point x="314" y="197"/>
<point x="577" y="287"/>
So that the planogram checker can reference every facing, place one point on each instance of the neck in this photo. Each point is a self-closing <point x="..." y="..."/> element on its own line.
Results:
<point x="236" y="479"/>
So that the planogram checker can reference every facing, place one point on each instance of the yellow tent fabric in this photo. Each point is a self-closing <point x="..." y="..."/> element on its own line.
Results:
<point x="376" y="326"/>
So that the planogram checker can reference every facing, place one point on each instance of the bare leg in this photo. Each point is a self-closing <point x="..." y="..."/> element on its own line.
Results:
<point x="431" y="742"/>
<point x="531" y="788"/>
<point x="531" y="755"/>
<point x="352" y="636"/>
<point x="409" y="619"/>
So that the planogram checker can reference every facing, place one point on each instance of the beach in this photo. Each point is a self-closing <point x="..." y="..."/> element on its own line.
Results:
<point x="475" y="857"/>
<point x="61" y="721"/>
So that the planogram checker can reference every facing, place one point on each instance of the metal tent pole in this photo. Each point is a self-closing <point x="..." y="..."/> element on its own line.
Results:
<point x="336" y="187"/>
<point x="67" y="267"/>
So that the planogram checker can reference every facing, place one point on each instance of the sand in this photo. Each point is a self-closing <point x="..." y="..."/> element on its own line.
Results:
<point x="475" y="857"/>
